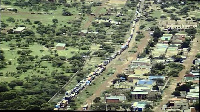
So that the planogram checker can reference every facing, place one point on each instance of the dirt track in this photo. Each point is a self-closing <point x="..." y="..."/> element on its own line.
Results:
<point x="187" y="63"/>
<point x="119" y="68"/>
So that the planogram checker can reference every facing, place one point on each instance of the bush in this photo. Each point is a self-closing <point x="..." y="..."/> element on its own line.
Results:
<point x="176" y="93"/>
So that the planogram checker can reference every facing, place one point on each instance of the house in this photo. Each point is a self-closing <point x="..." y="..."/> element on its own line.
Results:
<point x="60" y="46"/>
<point x="193" y="95"/>
<point x="135" y="64"/>
<point x="135" y="77"/>
<point x="83" y="32"/>
<point x="156" y="77"/>
<point x="146" y="82"/>
<point x="115" y="99"/>
<point x="196" y="73"/>
<point x="142" y="88"/>
<point x="139" y="106"/>
<point x="189" y="77"/>
<point x="166" y="38"/>
<point x="19" y="29"/>
<point x="178" y="38"/>
<point x="197" y="61"/>
<point x="179" y="25"/>
<point x="11" y="9"/>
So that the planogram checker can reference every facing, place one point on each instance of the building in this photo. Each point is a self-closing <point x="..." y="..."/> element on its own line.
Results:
<point x="115" y="99"/>
<point x="135" y="77"/>
<point x="193" y="95"/>
<point x="139" y="106"/>
<point x="196" y="74"/>
<point x="60" y="46"/>
<point x="166" y="38"/>
<point x="19" y="29"/>
<point x="178" y="38"/>
<point x="189" y="77"/>
<point x="156" y="77"/>
<point x="179" y="25"/>
<point x="146" y="82"/>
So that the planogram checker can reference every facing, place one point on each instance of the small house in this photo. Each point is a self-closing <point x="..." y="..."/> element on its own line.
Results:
<point x="115" y="99"/>
<point x="139" y="106"/>
<point x="60" y="46"/>
<point x="189" y="77"/>
<point x="19" y="29"/>
<point x="83" y="32"/>
<point x="145" y="82"/>
<point x="156" y="77"/>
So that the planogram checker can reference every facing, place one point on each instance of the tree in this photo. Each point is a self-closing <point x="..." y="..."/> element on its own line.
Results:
<point x="3" y="87"/>
<point x="10" y="19"/>
<point x="66" y="13"/>
<point x="198" y="55"/>
<point x="97" y="100"/>
<point x="148" y="108"/>
<point x="55" y="20"/>
<point x="155" y="87"/>
<point x="12" y="84"/>
<point x="184" y="87"/>
<point x="177" y="58"/>
<point x="176" y="93"/>
<point x="157" y="34"/>
<point x="196" y="105"/>
<point x="33" y="107"/>
<point x="191" y="31"/>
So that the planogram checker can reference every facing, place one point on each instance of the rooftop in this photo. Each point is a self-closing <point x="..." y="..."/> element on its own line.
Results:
<point x="61" y="44"/>
<point x="143" y="82"/>
<point x="156" y="77"/>
<point x="121" y="98"/>
<point x="133" y="93"/>
<point x="19" y="29"/>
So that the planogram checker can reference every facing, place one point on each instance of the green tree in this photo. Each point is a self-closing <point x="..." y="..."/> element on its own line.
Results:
<point x="176" y="93"/>
<point x="55" y="20"/>
<point x="12" y="84"/>
<point x="10" y="19"/>
<point x="97" y="100"/>
<point x="157" y="34"/>
<point x="3" y="87"/>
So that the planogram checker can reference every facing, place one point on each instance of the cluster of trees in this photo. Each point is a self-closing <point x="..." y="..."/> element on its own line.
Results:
<point x="171" y="69"/>
<point x="139" y="36"/>
<point x="2" y="60"/>
<point x="32" y="95"/>
<point x="185" y="87"/>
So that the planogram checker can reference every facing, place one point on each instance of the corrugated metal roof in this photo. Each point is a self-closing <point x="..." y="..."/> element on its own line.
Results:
<point x="121" y="98"/>
<point x="143" y="82"/>
<point x="139" y="93"/>
<point x="156" y="77"/>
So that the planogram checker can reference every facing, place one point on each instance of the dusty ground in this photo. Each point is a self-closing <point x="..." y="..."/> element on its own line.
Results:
<point x="117" y="1"/>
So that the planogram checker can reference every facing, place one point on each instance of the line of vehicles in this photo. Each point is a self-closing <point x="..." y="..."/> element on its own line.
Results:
<point x="89" y="79"/>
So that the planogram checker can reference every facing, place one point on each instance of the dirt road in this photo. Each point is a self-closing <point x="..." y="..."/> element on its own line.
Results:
<point x="187" y="63"/>
<point x="96" y="12"/>
<point x="119" y="69"/>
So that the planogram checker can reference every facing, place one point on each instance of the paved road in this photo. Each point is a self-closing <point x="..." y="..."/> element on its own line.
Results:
<point x="187" y="63"/>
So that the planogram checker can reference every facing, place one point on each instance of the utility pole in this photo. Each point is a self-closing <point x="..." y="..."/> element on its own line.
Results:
<point x="106" y="107"/>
